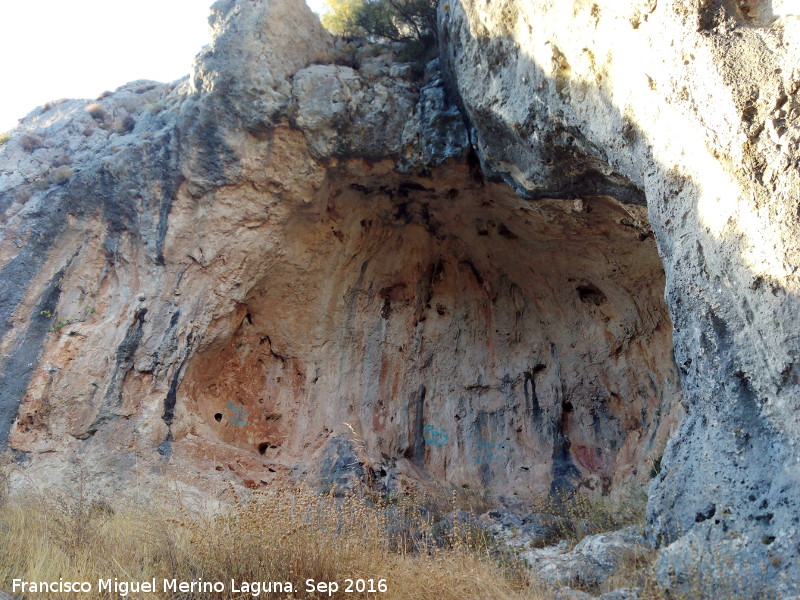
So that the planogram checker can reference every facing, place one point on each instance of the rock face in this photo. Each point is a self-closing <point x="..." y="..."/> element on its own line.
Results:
<point x="291" y="264"/>
<point x="305" y="260"/>
<point x="692" y="109"/>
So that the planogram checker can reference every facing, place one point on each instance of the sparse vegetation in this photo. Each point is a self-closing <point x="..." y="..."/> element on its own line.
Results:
<point x="655" y="469"/>
<point x="61" y="175"/>
<point x="583" y="515"/>
<point x="61" y="160"/>
<point x="22" y="195"/>
<point x="59" y="324"/>
<point x="52" y="104"/>
<point x="30" y="142"/>
<point x="4" y="137"/>
<point x="283" y="534"/>
<point x="412" y="22"/>
<point x="96" y="111"/>
<point x="288" y="534"/>
<point x="126" y="125"/>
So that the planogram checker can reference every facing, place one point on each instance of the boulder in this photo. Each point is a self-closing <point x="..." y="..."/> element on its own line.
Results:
<point x="591" y="562"/>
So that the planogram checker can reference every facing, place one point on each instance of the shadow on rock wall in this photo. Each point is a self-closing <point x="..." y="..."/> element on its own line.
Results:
<point x="647" y="103"/>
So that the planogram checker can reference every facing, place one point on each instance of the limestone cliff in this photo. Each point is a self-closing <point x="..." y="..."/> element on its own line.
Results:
<point x="308" y="260"/>
<point x="691" y="108"/>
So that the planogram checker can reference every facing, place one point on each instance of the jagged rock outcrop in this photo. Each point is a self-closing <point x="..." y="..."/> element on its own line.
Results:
<point x="290" y="264"/>
<point x="692" y="109"/>
<point x="305" y="260"/>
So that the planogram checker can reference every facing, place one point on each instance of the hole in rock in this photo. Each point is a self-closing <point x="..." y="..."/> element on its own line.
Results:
<point x="590" y="294"/>
<point x="218" y="417"/>
<point x="477" y="286"/>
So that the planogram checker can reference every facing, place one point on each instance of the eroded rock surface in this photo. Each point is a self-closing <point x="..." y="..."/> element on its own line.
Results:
<point x="304" y="260"/>
<point x="591" y="562"/>
<point x="283" y="266"/>
<point x="690" y="108"/>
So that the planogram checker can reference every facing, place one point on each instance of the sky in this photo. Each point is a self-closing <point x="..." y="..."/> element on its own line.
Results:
<point x="51" y="49"/>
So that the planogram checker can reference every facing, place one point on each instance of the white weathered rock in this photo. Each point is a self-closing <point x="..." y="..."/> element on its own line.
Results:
<point x="522" y="532"/>
<point x="613" y="548"/>
<point x="593" y="560"/>
<point x="622" y="594"/>
<point x="342" y="114"/>
<point x="691" y="108"/>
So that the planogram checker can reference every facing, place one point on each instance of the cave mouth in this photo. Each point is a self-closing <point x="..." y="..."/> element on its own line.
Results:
<point x="446" y="327"/>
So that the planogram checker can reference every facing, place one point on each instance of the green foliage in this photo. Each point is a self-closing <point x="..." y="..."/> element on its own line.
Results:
<point x="412" y="22"/>
<point x="342" y="17"/>
<point x="59" y="325"/>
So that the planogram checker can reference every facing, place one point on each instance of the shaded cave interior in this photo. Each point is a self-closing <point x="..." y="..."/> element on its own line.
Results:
<point x="446" y="328"/>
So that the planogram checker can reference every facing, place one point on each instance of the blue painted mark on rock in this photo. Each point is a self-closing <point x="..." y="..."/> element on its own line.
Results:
<point x="434" y="436"/>
<point x="488" y="452"/>
<point x="237" y="416"/>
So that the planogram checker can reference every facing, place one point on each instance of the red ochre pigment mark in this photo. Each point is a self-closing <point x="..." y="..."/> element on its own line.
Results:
<point x="591" y="458"/>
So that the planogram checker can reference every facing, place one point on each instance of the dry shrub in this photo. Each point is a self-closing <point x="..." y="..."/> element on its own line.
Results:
<point x="52" y="104"/>
<point x="22" y="195"/>
<point x="124" y="126"/>
<point x="30" y="142"/>
<point x="61" y="160"/>
<point x="96" y="111"/>
<point x="286" y="534"/>
<point x="61" y="175"/>
<point x="321" y="57"/>
<point x="5" y="462"/>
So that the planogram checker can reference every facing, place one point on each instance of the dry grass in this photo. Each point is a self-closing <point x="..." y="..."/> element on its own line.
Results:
<point x="96" y="111"/>
<point x="30" y="142"/>
<point x="287" y="534"/>
<point x="583" y="515"/>
<point x="124" y="126"/>
<point x="61" y="175"/>
<point x="283" y="535"/>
